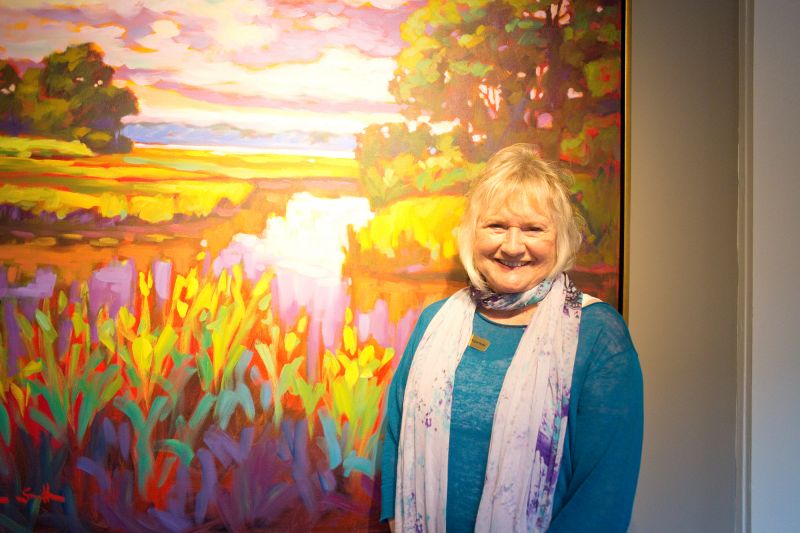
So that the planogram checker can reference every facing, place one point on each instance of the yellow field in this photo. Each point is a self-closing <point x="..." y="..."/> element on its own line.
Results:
<point x="153" y="184"/>
<point x="429" y="222"/>
<point x="27" y="147"/>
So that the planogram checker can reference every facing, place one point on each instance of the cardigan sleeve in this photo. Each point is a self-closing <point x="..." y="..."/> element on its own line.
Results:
<point x="606" y="437"/>
<point x="394" y="413"/>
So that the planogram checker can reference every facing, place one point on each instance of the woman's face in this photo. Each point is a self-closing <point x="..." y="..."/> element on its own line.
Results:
<point x="515" y="247"/>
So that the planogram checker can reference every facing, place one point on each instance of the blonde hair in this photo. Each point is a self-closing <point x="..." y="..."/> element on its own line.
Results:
<point x="517" y="173"/>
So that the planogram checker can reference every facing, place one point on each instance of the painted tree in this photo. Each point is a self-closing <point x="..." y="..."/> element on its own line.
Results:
<point x="72" y="96"/>
<point x="542" y="72"/>
<point x="9" y="103"/>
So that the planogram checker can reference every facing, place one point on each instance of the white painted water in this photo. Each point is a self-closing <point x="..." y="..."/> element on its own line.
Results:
<point x="310" y="240"/>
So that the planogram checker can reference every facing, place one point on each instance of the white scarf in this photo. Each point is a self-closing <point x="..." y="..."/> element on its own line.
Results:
<point x="529" y="427"/>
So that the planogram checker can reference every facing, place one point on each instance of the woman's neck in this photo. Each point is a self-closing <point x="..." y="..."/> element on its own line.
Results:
<point x="514" y="317"/>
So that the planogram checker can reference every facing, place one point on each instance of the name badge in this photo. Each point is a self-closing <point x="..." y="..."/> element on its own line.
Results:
<point x="479" y="343"/>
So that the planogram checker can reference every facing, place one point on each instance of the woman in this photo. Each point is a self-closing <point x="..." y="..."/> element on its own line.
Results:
<point x="517" y="405"/>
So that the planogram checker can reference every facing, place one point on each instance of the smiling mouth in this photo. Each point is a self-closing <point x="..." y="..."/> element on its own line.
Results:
<point x="512" y="264"/>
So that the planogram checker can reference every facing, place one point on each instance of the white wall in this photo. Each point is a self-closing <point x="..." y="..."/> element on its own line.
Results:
<point x="683" y="259"/>
<point x="775" y="444"/>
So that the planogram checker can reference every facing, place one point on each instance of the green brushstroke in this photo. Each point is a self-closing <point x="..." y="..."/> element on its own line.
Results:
<point x="143" y="430"/>
<point x="164" y="345"/>
<point x="229" y="400"/>
<point x="5" y="425"/>
<point x="206" y="370"/>
<point x="97" y="392"/>
<point x="202" y="410"/>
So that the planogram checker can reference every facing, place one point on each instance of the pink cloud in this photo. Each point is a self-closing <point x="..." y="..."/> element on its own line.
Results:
<point x="320" y="56"/>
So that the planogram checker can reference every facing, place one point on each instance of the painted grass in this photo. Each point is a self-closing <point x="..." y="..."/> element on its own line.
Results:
<point x="414" y="235"/>
<point x="154" y="184"/>
<point x="151" y="163"/>
<point x="245" y="166"/>
<point x="151" y="202"/>
<point x="147" y="398"/>
<point x="30" y="147"/>
<point x="428" y="221"/>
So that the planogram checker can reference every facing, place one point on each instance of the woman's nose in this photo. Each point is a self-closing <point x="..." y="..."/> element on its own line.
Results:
<point x="512" y="243"/>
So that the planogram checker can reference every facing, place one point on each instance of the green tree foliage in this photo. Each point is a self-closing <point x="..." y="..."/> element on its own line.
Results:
<point x="544" y="72"/>
<point x="397" y="162"/>
<point x="71" y="97"/>
<point x="514" y="70"/>
<point x="9" y="103"/>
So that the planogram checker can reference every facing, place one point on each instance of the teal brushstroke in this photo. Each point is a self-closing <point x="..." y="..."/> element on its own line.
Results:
<point x="94" y="400"/>
<point x="361" y="464"/>
<point x="331" y="442"/>
<point x="56" y="425"/>
<point x="202" y="410"/>
<point x="238" y="359"/>
<point x="266" y="395"/>
<point x="5" y="425"/>
<point x="229" y="400"/>
<point x="143" y="429"/>
<point x="241" y="366"/>
<point x="132" y="411"/>
<point x="169" y="387"/>
<point x="179" y="448"/>
<point x="288" y="371"/>
<point x="45" y="421"/>
<point x="205" y="370"/>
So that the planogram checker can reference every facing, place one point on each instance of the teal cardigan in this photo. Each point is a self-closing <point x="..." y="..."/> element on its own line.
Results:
<point x="600" y="464"/>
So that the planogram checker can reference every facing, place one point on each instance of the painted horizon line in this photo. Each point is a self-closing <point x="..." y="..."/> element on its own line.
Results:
<point x="231" y="149"/>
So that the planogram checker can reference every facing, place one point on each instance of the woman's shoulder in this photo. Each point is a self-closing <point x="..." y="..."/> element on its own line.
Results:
<point x="423" y="321"/>
<point x="427" y="315"/>
<point x="604" y="328"/>
<point x="429" y="312"/>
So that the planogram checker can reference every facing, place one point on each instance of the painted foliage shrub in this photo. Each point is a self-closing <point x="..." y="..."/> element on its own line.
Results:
<point x="71" y="97"/>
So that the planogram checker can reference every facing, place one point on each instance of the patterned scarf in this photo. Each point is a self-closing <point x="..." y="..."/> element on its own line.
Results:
<point x="530" y="420"/>
<point x="507" y="302"/>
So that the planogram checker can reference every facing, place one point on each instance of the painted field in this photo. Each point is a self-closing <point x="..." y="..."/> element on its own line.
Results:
<point x="58" y="199"/>
<point x="168" y="358"/>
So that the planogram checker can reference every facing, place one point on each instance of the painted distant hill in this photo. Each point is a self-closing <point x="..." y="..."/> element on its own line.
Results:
<point x="231" y="136"/>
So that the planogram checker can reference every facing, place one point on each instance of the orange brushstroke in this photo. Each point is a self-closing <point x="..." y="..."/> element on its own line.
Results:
<point x="156" y="495"/>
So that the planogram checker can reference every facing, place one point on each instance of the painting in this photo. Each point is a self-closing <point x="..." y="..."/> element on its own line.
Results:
<point x="220" y="219"/>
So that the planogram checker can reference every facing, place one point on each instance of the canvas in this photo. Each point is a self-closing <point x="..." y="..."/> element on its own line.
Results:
<point x="219" y="221"/>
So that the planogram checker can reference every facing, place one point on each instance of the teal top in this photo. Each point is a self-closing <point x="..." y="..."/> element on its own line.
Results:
<point x="600" y="465"/>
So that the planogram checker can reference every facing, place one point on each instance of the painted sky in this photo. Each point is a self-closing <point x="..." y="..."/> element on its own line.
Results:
<point x="268" y="66"/>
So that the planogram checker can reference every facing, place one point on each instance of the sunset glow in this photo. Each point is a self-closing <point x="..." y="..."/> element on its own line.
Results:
<point x="265" y="67"/>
